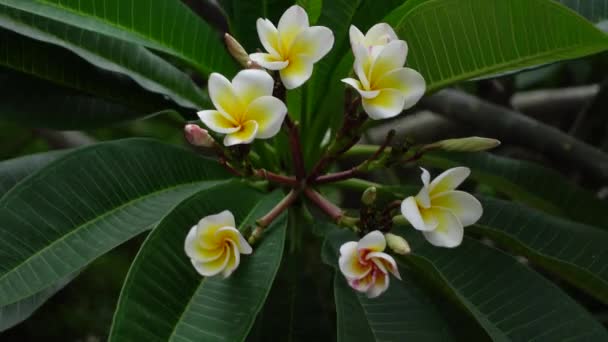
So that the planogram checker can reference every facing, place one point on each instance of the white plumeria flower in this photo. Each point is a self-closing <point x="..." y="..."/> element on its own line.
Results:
<point x="215" y="246"/>
<point x="378" y="35"/>
<point x="440" y="211"/>
<point x="385" y="86"/>
<point x="365" y="266"/>
<point x="246" y="109"/>
<point x="292" y="47"/>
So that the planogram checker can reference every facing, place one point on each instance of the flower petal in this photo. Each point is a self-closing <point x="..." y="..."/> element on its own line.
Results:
<point x="374" y="241"/>
<point x="449" y="231"/>
<point x="389" y="103"/>
<point x="233" y="260"/>
<point x="362" y="64"/>
<point x="190" y="245"/>
<point x="408" y="81"/>
<point x="222" y="219"/>
<point x="362" y="284"/>
<point x="380" y="284"/>
<point x="449" y="180"/>
<point x="423" y="198"/>
<point x="211" y="268"/>
<point x="269" y="36"/>
<point x="245" y="135"/>
<point x="269" y="113"/>
<point x="464" y="205"/>
<point x="208" y="226"/>
<point x="268" y="61"/>
<point x="251" y="84"/>
<point x="385" y="263"/>
<point x="292" y="22"/>
<point x="314" y="42"/>
<point x="366" y="94"/>
<point x="355" y="36"/>
<point x="297" y="72"/>
<point x="391" y="57"/>
<point x="380" y="34"/>
<point x="349" y="262"/>
<point x="411" y="212"/>
<point x="223" y="95"/>
<point x="218" y="122"/>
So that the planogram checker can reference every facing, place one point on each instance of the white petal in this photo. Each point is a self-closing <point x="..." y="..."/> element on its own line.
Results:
<point x="380" y="34"/>
<point x="297" y="72"/>
<point x="243" y="246"/>
<point x="268" y="61"/>
<point x="292" y="22"/>
<point x="223" y="95"/>
<point x="379" y="285"/>
<point x="209" y="269"/>
<point x="349" y="262"/>
<point x="190" y="243"/>
<point x="387" y="104"/>
<point x="314" y="42"/>
<point x="374" y="241"/>
<point x="356" y="36"/>
<point x="408" y="81"/>
<point x="362" y="64"/>
<point x="269" y="36"/>
<point x="251" y="84"/>
<point x="385" y="262"/>
<point x="363" y="284"/>
<point x="245" y="135"/>
<point x="449" y="180"/>
<point x="218" y="122"/>
<point x="466" y="207"/>
<point x="449" y="232"/>
<point x="223" y="219"/>
<point x="269" y="113"/>
<point x="233" y="261"/>
<point x="366" y="94"/>
<point x="411" y="212"/>
<point x="423" y="198"/>
<point x="391" y="57"/>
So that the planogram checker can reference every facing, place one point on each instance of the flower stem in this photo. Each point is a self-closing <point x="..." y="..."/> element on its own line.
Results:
<point x="296" y="148"/>
<point x="267" y="219"/>
<point x="276" y="178"/>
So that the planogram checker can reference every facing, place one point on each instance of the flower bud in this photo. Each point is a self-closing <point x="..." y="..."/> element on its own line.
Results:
<point x="237" y="51"/>
<point x="469" y="144"/>
<point x="369" y="196"/>
<point x="198" y="136"/>
<point x="397" y="244"/>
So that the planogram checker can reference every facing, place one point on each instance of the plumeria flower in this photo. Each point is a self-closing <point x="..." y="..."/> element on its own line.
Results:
<point x="215" y="246"/>
<point x="292" y="47"/>
<point x="385" y="86"/>
<point x="379" y="35"/>
<point x="440" y="211"/>
<point x="365" y="266"/>
<point x="245" y="108"/>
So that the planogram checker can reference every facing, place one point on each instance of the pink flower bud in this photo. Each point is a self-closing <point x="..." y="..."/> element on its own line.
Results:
<point x="198" y="136"/>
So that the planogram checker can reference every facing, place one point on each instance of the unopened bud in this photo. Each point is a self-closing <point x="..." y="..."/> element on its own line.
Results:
<point x="198" y="136"/>
<point x="237" y="51"/>
<point x="369" y="196"/>
<point x="397" y="244"/>
<point x="469" y="144"/>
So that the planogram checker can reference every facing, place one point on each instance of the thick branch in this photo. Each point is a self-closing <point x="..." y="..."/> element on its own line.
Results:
<point x="296" y="149"/>
<point x="324" y="204"/>
<point x="511" y="126"/>
<point x="547" y="103"/>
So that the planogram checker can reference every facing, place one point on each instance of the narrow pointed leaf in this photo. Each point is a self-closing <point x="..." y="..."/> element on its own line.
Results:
<point x="165" y="299"/>
<point x="165" y="25"/>
<point x="77" y="208"/>
<point x="510" y="301"/>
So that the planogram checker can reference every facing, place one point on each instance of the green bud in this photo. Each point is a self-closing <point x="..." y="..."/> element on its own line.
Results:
<point x="397" y="244"/>
<point x="237" y="51"/>
<point x="369" y="196"/>
<point x="469" y="144"/>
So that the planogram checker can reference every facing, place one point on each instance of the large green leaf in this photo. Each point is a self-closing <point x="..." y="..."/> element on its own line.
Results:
<point x="35" y="102"/>
<point x="148" y="70"/>
<point x="12" y="171"/>
<point x="510" y="301"/>
<point x="165" y="25"/>
<point x="77" y="208"/>
<point x="528" y="183"/>
<point x="164" y="299"/>
<point x="455" y="40"/>
<point x="594" y="10"/>
<point x="242" y="17"/>
<point x="402" y="313"/>
<point x="573" y="251"/>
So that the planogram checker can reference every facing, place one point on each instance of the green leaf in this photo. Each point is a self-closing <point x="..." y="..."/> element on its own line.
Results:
<point x="148" y="70"/>
<point x="575" y="252"/>
<point x="528" y="183"/>
<point x="455" y="40"/>
<point x="164" y="299"/>
<point x="510" y="301"/>
<point x="164" y="25"/>
<point x="313" y="8"/>
<point x="593" y="10"/>
<point x="402" y="313"/>
<point x="242" y="17"/>
<point x="12" y="171"/>
<point x="16" y="313"/>
<point x="34" y="102"/>
<point x="77" y="208"/>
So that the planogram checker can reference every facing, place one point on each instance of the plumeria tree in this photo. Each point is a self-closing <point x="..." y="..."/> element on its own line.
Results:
<point x="292" y="211"/>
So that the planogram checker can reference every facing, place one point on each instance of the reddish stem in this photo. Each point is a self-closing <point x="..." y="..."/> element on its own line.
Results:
<point x="324" y="204"/>
<point x="227" y="166"/>
<point x="267" y="219"/>
<point x="296" y="148"/>
<point x="276" y="178"/>
<point x="338" y="176"/>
